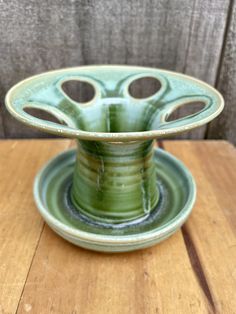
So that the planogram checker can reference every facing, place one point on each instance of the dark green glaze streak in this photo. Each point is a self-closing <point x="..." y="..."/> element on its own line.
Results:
<point x="114" y="182"/>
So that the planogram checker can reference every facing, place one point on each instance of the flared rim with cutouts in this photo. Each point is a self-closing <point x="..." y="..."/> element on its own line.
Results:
<point x="175" y="91"/>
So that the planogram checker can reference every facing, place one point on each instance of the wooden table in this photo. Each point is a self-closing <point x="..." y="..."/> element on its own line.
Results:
<point x="194" y="271"/>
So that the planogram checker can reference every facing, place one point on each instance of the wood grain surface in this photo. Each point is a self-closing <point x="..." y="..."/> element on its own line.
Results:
<point x="210" y="232"/>
<point x="194" y="271"/>
<point x="185" y="36"/>
<point x="225" y="127"/>
<point x="20" y="224"/>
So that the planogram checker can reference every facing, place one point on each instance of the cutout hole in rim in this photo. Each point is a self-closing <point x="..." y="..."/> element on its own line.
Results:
<point x="79" y="91"/>
<point x="185" y="110"/>
<point x="144" y="87"/>
<point x="43" y="115"/>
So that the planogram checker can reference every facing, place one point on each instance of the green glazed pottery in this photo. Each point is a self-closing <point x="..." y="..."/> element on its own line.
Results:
<point x="116" y="192"/>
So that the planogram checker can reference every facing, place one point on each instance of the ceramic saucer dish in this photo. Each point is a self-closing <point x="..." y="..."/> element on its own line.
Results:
<point x="177" y="189"/>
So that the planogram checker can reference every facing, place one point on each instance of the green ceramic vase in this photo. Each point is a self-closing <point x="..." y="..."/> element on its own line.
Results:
<point x="114" y="178"/>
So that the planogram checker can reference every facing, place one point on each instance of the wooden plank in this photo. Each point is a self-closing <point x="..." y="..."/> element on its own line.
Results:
<point x="223" y="155"/>
<point x="185" y="36"/>
<point x="2" y="133"/>
<point x="66" y="279"/>
<point x="210" y="232"/>
<point x="21" y="225"/>
<point x="225" y="127"/>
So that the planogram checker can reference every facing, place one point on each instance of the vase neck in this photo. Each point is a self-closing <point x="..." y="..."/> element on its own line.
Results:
<point x="114" y="182"/>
